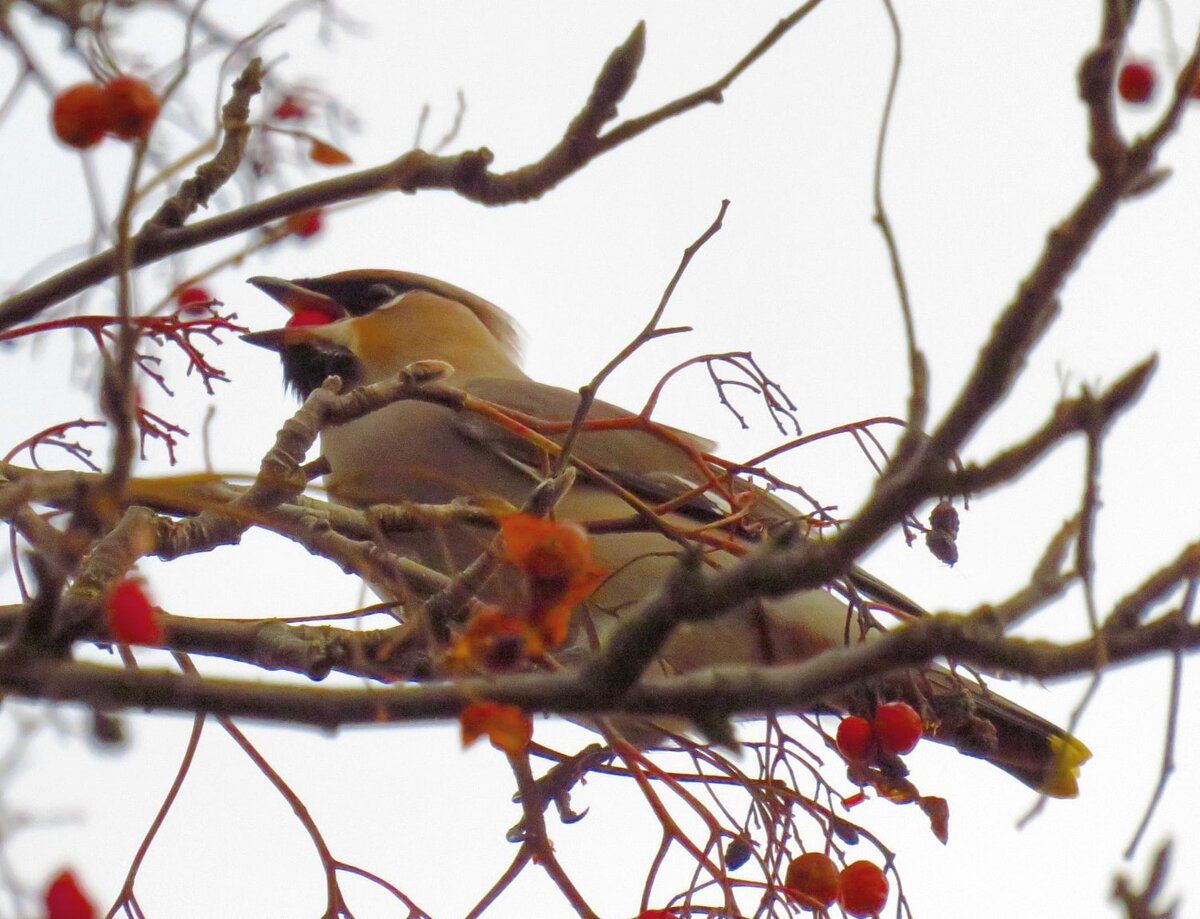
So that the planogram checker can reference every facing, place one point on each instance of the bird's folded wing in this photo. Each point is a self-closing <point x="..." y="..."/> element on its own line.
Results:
<point x="651" y="466"/>
<point x="655" y="467"/>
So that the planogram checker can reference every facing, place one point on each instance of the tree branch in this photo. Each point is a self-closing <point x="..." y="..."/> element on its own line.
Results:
<point x="465" y="173"/>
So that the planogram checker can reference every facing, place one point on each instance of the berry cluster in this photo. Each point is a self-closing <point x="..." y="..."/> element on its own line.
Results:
<point x="124" y="107"/>
<point x="814" y="882"/>
<point x="896" y="728"/>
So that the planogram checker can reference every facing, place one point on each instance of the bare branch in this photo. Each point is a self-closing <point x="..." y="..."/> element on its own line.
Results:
<point x="465" y="173"/>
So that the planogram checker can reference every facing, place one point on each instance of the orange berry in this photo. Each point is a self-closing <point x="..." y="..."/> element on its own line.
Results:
<point x="327" y="154"/>
<point x="65" y="899"/>
<point x="862" y="889"/>
<point x="556" y="559"/>
<point x="507" y="727"/>
<point x="563" y="552"/>
<point x="80" y="115"/>
<point x="814" y="876"/>
<point x="855" y="738"/>
<point x="898" y="727"/>
<point x="132" y="618"/>
<point x="132" y="107"/>
<point x="306" y="223"/>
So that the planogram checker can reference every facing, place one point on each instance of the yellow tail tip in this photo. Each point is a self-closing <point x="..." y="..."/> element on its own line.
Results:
<point x="1062" y="778"/>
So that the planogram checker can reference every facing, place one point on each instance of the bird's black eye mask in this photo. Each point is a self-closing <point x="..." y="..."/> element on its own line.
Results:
<point x="355" y="296"/>
<point x="376" y="295"/>
<point x="306" y="364"/>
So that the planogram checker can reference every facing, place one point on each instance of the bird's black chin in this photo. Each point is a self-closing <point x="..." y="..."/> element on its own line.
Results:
<point x="306" y="365"/>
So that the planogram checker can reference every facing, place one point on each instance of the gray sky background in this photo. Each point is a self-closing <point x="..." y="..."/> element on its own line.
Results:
<point x="987" y="153"/>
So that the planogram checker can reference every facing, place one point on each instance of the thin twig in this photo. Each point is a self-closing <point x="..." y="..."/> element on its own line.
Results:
<point x="1168" y="755"/>
<point x="587" y="393"/>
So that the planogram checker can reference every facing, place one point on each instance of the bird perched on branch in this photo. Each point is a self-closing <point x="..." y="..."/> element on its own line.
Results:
<point x="641" y="490"/>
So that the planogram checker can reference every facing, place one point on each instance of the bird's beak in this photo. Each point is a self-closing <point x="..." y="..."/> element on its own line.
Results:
<point x="296" y="298"/>
<point x="271" y="339"/>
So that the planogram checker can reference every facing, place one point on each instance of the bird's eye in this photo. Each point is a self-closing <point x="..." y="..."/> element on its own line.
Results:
<point x="377" y="295"/>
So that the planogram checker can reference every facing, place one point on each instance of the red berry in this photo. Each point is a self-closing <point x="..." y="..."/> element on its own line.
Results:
<point x="132" y="619"/>
<point x="65" y="899"/>
<point x="306" y="223"/>
<point x="855" y="738"/>
<point x="80" y="115"/>
<point x="308" y="317"/>
<point x="862" y="889"/>
<point x="898" y="727"/>
<point x="1136" y="82"/>
<point x="193" y="299"/>
<point x="290" y="108"/>
<point x="815" y="877"/>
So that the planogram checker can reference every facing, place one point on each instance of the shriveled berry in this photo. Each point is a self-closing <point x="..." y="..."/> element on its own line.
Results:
<point x="944" y="517"/>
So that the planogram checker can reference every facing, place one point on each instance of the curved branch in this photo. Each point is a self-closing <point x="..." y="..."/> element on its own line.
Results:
<point x="466" y="173"/>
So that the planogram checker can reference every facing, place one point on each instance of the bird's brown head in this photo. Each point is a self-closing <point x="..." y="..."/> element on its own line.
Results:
<point x="363" y="326"/>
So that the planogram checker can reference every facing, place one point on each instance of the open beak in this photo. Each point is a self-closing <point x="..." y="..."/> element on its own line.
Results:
<point x="295" y="299"/>
<point x="271" y="339"/>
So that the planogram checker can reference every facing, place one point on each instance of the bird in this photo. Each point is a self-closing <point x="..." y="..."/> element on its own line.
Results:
<point x="367" y="325"/>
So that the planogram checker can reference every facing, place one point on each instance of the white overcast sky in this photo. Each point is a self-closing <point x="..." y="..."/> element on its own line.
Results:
<point x="987" y="152"/>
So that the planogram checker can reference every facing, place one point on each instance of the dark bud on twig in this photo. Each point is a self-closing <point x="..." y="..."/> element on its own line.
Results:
<point x="846" y="831"/>
<point x="718" y="729"/>
<point x="941" y="537"/>
<point x="107" y="729"/>
<point x="620" y="70"/>
<point x="1147" y="182"/>
<point x="737" y="853"/>
<point x="429" y="371"/>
